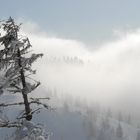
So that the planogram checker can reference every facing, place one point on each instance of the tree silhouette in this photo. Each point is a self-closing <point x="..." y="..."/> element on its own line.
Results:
<point x="119" y="131"/>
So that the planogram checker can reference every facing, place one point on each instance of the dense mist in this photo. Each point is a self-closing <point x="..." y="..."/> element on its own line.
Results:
<point x="109" y="73"/>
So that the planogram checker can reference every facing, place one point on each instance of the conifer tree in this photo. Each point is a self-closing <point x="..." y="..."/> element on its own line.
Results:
<point x="14" y="60"/>
<point x="15" y="71"/>
<point x="119" y="131"/>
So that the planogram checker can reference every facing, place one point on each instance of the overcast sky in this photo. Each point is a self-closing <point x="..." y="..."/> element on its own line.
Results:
<point x="89" y="21"/>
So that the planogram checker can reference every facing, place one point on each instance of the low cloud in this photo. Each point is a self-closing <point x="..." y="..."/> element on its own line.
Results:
<point x="110" y="74"/>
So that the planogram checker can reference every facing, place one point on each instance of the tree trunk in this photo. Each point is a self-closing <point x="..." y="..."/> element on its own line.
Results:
<point x="25" y="97"/>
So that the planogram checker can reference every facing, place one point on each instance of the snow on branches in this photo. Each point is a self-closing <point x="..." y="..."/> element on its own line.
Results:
<point x="15" y="70"/>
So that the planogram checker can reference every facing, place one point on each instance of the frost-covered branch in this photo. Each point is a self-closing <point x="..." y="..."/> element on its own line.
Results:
<point x="38" y="102"/>
<point x="8" y="124"/>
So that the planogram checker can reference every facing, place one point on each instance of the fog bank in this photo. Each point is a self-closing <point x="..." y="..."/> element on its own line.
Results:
<point x="109" y="74"/>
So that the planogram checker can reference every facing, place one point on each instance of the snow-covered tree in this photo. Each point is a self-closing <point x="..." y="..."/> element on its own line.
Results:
<point x="14" y="60"/>
<point x="16" y="69"/>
